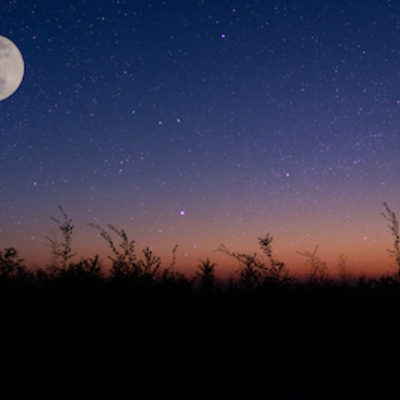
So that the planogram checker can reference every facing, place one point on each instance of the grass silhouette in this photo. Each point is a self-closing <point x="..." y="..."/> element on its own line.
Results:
<point x="146" y="331"/>
<point x="393" y="225"/>
<point x="318" y="273"/>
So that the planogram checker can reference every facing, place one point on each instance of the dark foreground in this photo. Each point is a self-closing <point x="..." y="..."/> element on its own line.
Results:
<point x="84" y="338"/>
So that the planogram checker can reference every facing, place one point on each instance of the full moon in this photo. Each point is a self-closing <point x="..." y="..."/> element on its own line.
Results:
<point x="11" y="68"/>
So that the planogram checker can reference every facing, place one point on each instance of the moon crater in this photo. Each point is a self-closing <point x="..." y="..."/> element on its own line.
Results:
<point x="12" y="68"/>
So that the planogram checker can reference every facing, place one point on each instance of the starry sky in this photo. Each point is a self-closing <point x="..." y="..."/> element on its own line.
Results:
<point x="204" y="122"/>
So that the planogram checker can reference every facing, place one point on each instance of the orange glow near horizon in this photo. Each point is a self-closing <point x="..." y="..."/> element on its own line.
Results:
<point x="362" y="241"/>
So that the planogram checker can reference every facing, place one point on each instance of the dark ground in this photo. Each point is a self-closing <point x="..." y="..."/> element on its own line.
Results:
<point x="84" y="339"/>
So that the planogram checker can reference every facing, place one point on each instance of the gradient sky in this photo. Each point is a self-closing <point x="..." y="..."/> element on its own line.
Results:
<point x="245" y="116"/>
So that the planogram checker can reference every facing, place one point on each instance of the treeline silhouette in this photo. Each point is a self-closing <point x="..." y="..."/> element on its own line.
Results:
<point x="142" y="330"/>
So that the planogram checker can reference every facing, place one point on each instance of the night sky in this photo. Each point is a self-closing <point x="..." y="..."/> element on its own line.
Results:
<point x="204" y="122"/>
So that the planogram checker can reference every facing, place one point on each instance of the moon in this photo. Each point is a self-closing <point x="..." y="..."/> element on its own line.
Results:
<point x="12" y="68"/>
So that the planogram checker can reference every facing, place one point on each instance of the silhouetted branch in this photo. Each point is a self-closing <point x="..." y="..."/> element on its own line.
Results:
<point x="62" y="251"/>
<point x="393" y="225"/>
<point x="318" y="269"/>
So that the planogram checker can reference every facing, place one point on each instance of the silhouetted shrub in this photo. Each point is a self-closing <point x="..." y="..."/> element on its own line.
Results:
<point x="277" y="272"/>
<point x="124" y="257"/>
<point x="87" y="271"/>
<point x="12" y="268"/>
<point x="206" y="275"/>
<point x="318" y="270"/>
<point x="255" y="271"/>
<point x="147" y="332"/>
<point x="9" y="262"/>
<point x="125" y="263"/>
<point x="174" y="282"/>
<point x="62" y="251"/>
<point x="150" y="264"/>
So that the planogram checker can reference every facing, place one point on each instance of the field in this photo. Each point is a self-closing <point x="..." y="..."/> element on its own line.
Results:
<point x="140" y="331"/>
